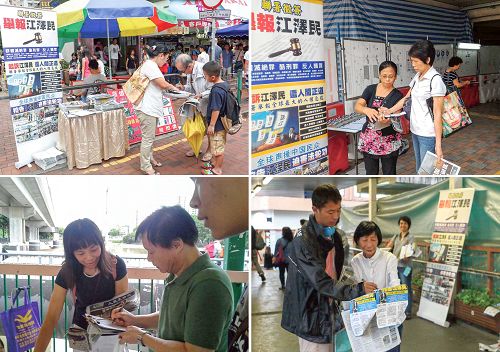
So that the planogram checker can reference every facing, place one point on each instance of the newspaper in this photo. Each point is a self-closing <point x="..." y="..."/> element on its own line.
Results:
<point x="428" y="166"/>
<point x="391" y="305"/>
<point x="374" y="339"/>
<point x="388" y="304"/>
<point x="98" y="316"/>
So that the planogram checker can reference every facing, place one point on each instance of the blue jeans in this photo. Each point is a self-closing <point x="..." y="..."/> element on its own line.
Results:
<point x="406" y="280"/>
<point x="421" y="145"/>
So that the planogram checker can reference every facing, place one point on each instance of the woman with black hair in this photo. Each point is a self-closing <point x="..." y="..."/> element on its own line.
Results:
<point x="150" y="107"/>
<point x="378" y="139"/>
<point x="404" y="264"/>
<point x="91" y="273"/>
<point x="281" y="253"/>
<point x="426" y="114"/>
<point x="450" y="77"/>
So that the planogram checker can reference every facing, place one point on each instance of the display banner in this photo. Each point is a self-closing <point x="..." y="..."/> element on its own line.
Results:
<point x="166" y="124"/>
<point x="452" y="218"/>
<point x="31" y="55"/>
<point x="288" y="106"/>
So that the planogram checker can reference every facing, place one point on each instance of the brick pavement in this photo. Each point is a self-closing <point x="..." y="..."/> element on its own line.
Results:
<point x="168" y="149"/>
<point x="474" y="148"/>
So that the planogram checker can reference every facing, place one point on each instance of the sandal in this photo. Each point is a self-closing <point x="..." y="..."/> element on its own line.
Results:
<point x="154" y="173"/>
<point x="206" y="157"/>
<point x="207" y="165"/>
<point x="156" y="163"/>
<point x="207" y="172"/>
<point x="189" y="154"/>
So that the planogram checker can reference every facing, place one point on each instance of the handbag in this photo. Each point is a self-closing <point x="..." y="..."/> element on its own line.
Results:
<point x="430" y="101"/>
<point x="21" y="324"/>
<point x="135" y="87"/>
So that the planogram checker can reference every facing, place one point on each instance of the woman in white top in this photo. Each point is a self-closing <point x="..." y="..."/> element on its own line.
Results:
<point x="150" y="108"/>
<point x="426" y="130"/>
<point x="374" y="265"/>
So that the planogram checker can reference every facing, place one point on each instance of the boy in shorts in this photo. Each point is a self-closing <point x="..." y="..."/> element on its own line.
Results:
<point x="216" y="105"/>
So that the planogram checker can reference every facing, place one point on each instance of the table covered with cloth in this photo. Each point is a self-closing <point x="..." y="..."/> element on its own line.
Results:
<point x="89" y="139"/>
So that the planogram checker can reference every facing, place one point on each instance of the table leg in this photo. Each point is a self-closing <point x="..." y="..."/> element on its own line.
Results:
<point x="356" y="138"/>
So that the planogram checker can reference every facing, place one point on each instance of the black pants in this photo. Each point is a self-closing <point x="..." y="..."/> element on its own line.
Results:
<point x="388" y="163"/>
<point x="282" y="273"/>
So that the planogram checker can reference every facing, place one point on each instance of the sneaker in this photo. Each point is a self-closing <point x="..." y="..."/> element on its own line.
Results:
<point x="262" y="277"/>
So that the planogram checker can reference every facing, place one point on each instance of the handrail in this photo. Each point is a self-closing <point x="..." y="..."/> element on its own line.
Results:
<point x="133" y="273"/>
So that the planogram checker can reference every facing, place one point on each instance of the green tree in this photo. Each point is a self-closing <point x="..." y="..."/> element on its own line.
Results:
<point x="204" y="234"/>
<point x="4" y="227"/>
<point x="114" y="232"/>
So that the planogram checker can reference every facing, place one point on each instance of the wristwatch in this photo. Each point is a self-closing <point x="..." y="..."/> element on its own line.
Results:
<point x="140" y="338"/>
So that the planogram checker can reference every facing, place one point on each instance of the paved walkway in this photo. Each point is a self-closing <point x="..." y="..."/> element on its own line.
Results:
<point x="473" y="148"/>
<point x="168" y="149"/>
<point x="418" y="334"/>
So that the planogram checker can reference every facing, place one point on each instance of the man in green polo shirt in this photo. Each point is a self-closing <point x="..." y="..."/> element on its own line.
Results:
<point x="196" y="308"/>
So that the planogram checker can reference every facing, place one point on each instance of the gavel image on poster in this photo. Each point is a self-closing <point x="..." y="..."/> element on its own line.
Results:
<point x="294" y="48"/>
<point x="38" y="39"/>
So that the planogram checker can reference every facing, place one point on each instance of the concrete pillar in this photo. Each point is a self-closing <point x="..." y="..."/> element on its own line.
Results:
<point x="455" y="182"/>
<point x="17" y="226"/>
<point x="372" y="202"/>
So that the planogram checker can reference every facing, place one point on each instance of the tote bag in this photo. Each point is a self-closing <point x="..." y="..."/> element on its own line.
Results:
<point x="21" y="324"/>
<point x="135" y="87"/>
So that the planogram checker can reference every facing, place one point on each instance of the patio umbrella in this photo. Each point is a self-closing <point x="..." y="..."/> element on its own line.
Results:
<point x="240" y="30"/>
<point x="111" y="18"/>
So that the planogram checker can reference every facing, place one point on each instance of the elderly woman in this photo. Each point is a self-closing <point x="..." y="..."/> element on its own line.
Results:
<point x="378" y="139"/>
<point x="150" y="107"/>
<point x="425" y="123"/>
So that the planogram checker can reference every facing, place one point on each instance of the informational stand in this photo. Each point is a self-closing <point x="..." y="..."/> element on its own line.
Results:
<point x="447" y="242"/>
<point x="361" y="62"/>
<point x="165" y="125"/>
<point x="444" y="52"/>
<point x="288" y="106"/>
<point x="332" y="86"/>
<point x="399" y="55"/>
<point x="31" y="55"/>
<point x="489" y="60"/>
<point x="469" y="66"/>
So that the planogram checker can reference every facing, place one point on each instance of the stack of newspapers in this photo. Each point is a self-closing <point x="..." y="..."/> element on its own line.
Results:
<point x="98" y="316"/>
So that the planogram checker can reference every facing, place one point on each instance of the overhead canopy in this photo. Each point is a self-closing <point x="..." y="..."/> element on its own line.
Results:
<point x="421" y="206"/>
<point x="240" y="30"/>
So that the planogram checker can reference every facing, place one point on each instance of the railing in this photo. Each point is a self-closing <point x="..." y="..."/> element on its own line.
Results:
<point x="484" y="267"/>
<point x="148" y="282"/>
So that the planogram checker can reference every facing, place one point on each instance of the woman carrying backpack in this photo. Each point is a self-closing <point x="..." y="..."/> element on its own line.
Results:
<point x="281" y="253"/>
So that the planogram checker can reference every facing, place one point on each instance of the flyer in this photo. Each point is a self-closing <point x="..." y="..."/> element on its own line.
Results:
<point x="428" y="166"/>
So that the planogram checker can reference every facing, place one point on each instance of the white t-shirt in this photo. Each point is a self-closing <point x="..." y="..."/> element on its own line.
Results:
<point x="152" y="102"/>
<point x="101" y="67"/>
<point x="381" y="268"/>
<point x="421" y="122"/>
<point x="203" y="58"/>
<point x="114" y="48"/>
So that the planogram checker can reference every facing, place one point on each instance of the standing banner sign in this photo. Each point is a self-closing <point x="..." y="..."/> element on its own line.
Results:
<point x="166" y="124"/>
<point x="31" y="55"/>
<point x="288" y="105"/>
<point x="446" y="247"/>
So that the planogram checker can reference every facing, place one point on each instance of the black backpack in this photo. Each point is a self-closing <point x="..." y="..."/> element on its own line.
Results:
<point x="230" y="114"/>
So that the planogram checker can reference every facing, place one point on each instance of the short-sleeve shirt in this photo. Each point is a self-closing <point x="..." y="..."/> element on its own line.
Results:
<point x="375" y="102"/>
<point x="217" y="102"/>
<point x="398" y="245"/>
<point x="152" y="102"/>
<point x="92" y="290"/>
<point x="448" y="78"/>
<point x="227" y="58"/>
<point x="114" y="48"/>
<point x="421" y="122"/>
<point x="93" y="79"/>
<point x="197" y="306"/>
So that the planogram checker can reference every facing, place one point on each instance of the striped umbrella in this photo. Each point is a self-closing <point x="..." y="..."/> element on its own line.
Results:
<point x="110" y="18"/>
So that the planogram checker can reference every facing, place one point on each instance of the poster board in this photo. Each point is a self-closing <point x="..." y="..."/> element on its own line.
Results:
<point x="444" y="52"/>
<point x="489" y="60"/>
<point x="361" y="62"/>
<point x="288" y="104"/>
<point x="469" y="65"/>
<point x="452" y="219"/>
<point x="331" y="67"/>
<point x="31" y="55"/>
<point x="399" y="55"/>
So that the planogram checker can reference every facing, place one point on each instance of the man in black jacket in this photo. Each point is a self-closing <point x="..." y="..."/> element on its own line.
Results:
<point x="316" y="259"/>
